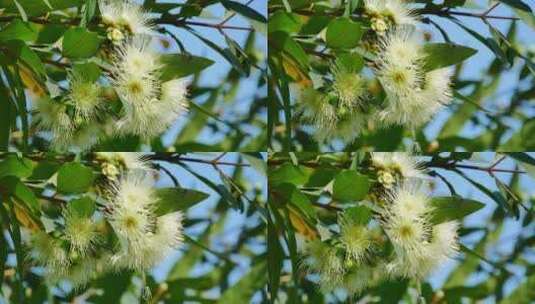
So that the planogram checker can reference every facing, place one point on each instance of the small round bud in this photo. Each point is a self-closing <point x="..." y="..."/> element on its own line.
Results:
<point x="115" y="35"/>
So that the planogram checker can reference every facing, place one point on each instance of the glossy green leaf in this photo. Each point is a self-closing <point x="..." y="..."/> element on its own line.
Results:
<point x="284" y="22"/>
<point x="343" y="33"/>
<point x="17" y="189"/>
<point x="13" y="165"/>
<point x="349" y="185"/>
<point x="244" y="10"/>
<point x="440" y="55"/>
<point x="18" y="29"/>
<point x="74" y="178"/>
<point x="83" y="207"/>
<point x="287" y="173"/>
<point x="181" y="65"/>
<point x="359" y="215"/>
<point x="453" y="208"/>
<point x="517" y="4"/>
<point x="177" y="199"/>
<point x="88" y="71"/>
<point x="80" y="43"/>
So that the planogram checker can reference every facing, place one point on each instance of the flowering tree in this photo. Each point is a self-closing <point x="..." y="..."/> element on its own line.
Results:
<point x="114" y="75"/>
<point x="390" y="227"/>
<point x="93" y="227"/>
<point x="371" y="73"/>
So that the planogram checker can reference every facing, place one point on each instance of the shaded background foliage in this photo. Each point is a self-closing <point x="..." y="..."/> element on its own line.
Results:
<point x="497" y="257"/>
<point x="222" y="260"/>
<point x="228" y="90"/>
<point x="493" y="104"/>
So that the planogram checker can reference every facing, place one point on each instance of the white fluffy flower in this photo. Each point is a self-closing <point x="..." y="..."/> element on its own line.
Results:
<point x="135" y="73"/>
<point x="399" y="70"/>
<point x="125" y="16"/>
<point x="436" y="94"/>
<point x="153" y="118"/>
<point x="52" y="116"/>
<point x="84" y="96"/>
<point x="80" y="232"/>
<point x="397" y="163"/>
<point x="48" y="252"/>
<point x="315" y="108"/>
<point x="150" y="107"/>
<point x="323" y="260"/>
<point x="419" y="247"/>
<point x="347" y="128"/>
<point x="82" y="138"/>
<point x="125" y="160"/>
<point x="444" y="241"/>
<point x="167" y="237"/>
<point x="172" y="104"/>
<point x="387" y="12"/>
<point x="144" y="238"/>
<point x="349" y="87"/>
<point x="357" y="241"/>
<point x="78" y="274"/>
<point x="131" y="216"/>
<point x="413" y="96"/>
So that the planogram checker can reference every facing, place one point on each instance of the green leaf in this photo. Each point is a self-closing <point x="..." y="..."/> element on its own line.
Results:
<point x="7" y="117"/>
<point x="349" y="185"/>
<point x="284" y="22"/>
<point x="12" y="165"/>
<point x="181" y="65"/>
<point x="256" y="161"/>
<point x="3" y="255"/>
<point x="523" y="293"/>
<point x="343" y="33"/>
<point x="528" y="18"/>
<point x="246" y="287"/>
<point x="37" y="7"/>
<point x="177" y="199"/>
<point x="352" y="62"/>
<point x="287" y="173"/>
<point x="80" y="43"/>
<point x="18" y="29"/>
<point x="527" y="131"/>
<point x="17" y="189"/>
<point x="19" y="50"/>
<point x="315" y="24"/>
<point x="281" y="41"/>
<point x="88" y="71"/>
<point x="83" y="207"/>
<point x="522" y="157"/>
<point x="51" y="33"/>
<point x="44" y="170"/>
<point x="74" y="178"/>
<point x="449" y="208"/>
<point x="439" y="55"/>
<point x="243" y="10"/>
<point x="294" y="196"/>
<point x="113" y="287"/>
<point x="359" y="214"/>
<point x="517" y="4"/>
<point x="89" y="12"/>
<point x="275" y="258"/>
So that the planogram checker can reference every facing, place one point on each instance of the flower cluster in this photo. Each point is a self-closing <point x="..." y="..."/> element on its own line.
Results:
<point x="131" y="98"/>
<point x="348" y="102"/>
<point x="125" y="232"/>
<point x="397" y="240"/>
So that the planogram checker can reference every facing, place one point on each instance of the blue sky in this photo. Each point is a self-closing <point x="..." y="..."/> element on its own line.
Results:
<point x="234" y="223"/>
<point x="214" y="75"/>
<point x="512" y="227"/>
<point x="477" y="65"/>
